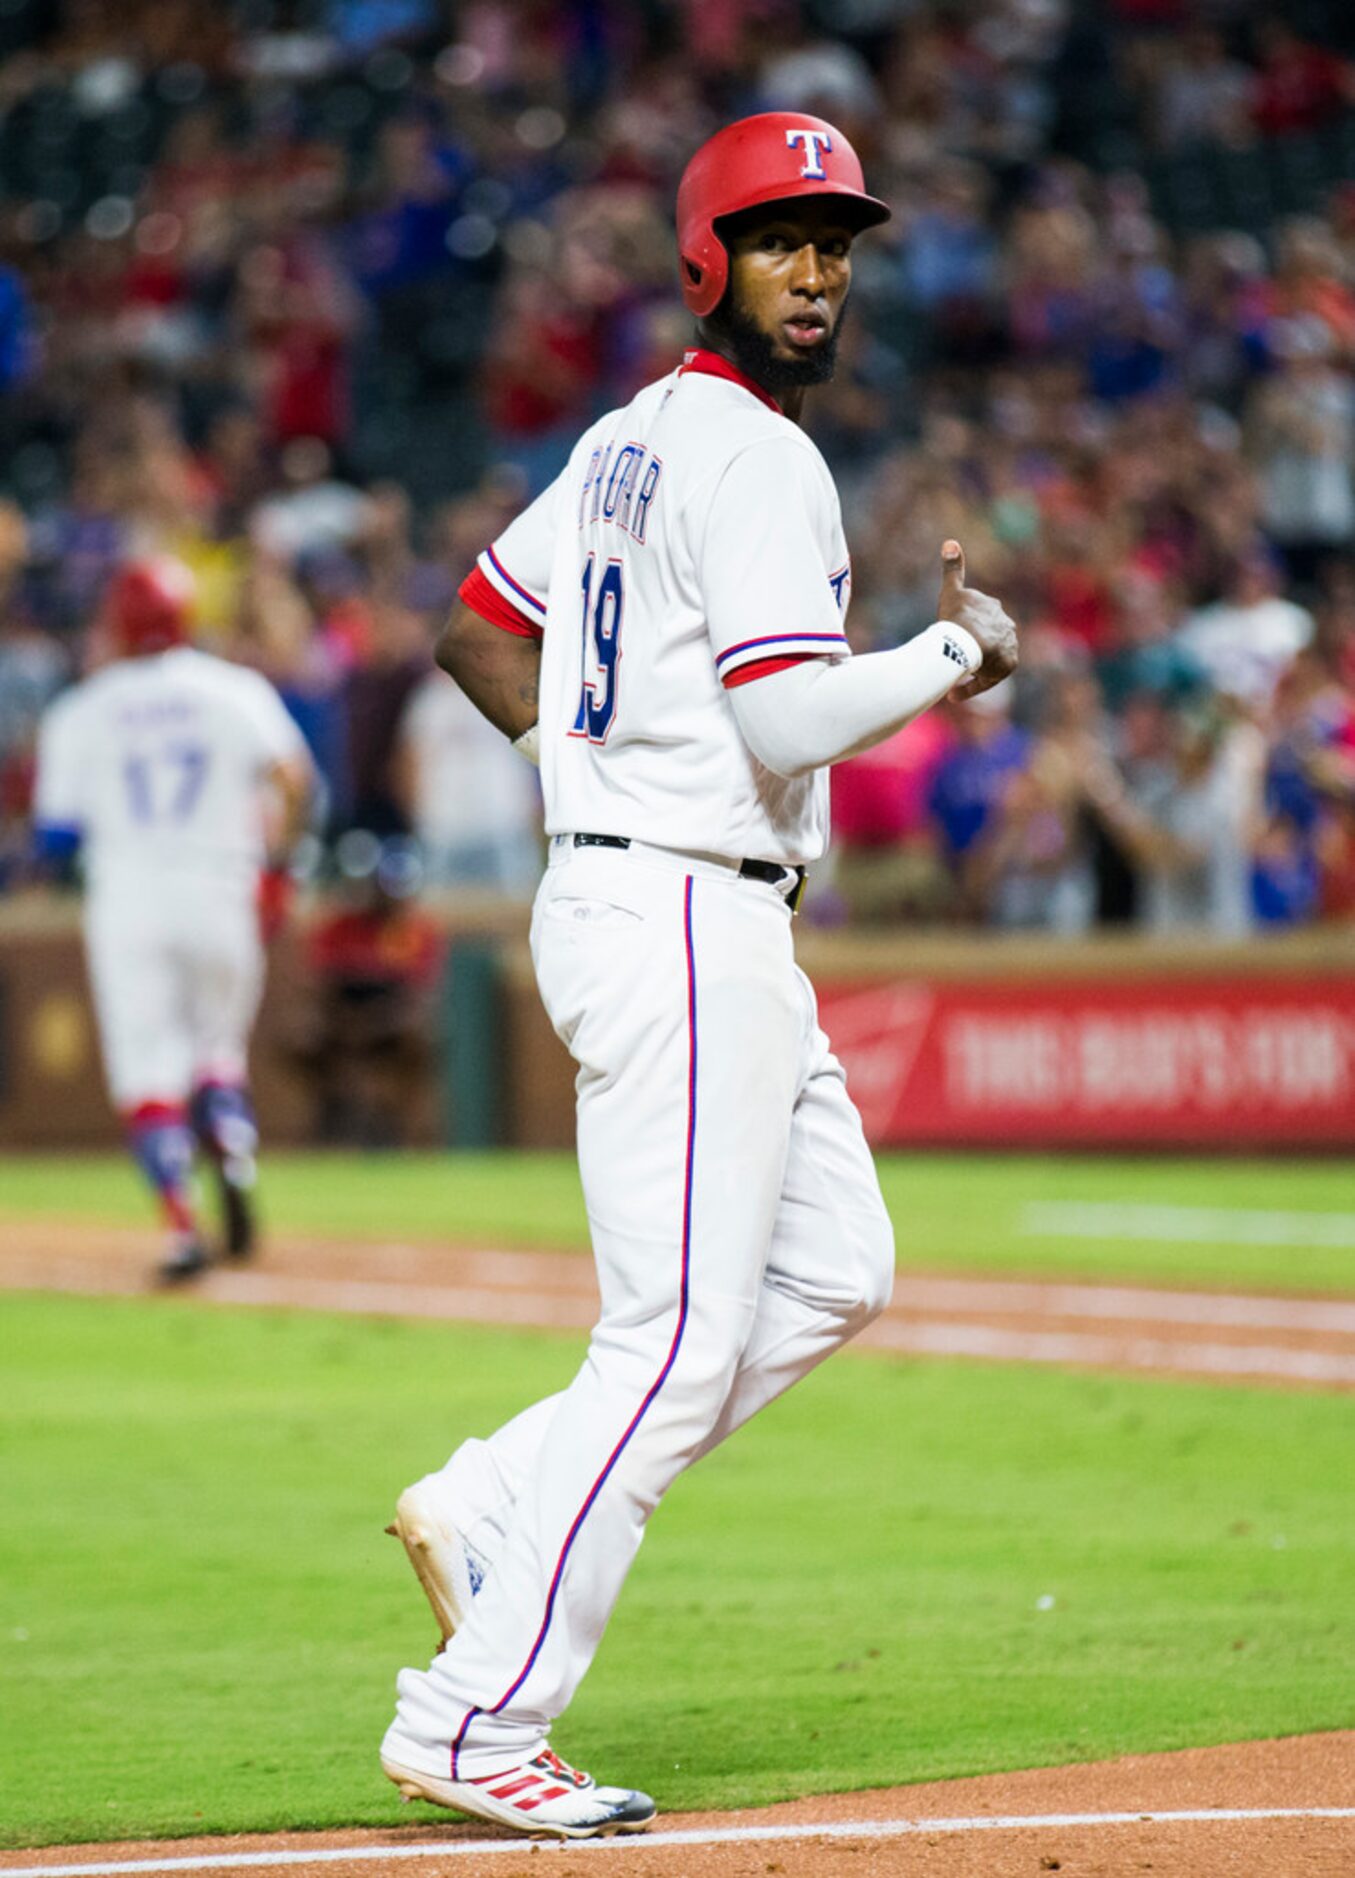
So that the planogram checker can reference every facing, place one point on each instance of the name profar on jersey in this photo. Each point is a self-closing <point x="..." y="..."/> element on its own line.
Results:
<point x="621" y="491"/>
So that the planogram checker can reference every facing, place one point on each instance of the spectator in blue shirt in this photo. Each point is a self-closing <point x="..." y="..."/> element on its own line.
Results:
<point x="16" y="331"/>
<point x="971" y="779"/>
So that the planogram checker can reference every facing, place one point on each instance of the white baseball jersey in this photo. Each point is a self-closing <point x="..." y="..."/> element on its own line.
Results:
<point x="158" y="763"/>
<point x="695" y="534"/>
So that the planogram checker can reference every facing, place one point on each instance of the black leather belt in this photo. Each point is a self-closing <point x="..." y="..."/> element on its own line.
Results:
<point x="771" y="871"/>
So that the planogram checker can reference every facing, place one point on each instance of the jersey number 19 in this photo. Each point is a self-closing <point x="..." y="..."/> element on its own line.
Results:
<point x="600" y="651"/>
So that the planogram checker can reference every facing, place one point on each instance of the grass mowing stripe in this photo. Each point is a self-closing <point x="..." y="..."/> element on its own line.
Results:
<point x="956" y="1212"/>
<point x="990" y="1343"/>
<point x="907" y="1571"/>
<point x="1211" y="1309"/>
<point x="1192" y="1225"/>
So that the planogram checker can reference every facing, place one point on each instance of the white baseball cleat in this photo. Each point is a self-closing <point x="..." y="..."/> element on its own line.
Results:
<point x="188" y="1258"/>
<point x="449" y="1567"/>
<point x="545" y="1795"/>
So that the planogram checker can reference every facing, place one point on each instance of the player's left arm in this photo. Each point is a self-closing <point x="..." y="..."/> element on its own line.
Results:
<point x="289" y="789"/>
<point x="290" y="782"/>
<point x="286" y="779"/>
<point x="822" y="710"/>
<point x="799" y="699"/>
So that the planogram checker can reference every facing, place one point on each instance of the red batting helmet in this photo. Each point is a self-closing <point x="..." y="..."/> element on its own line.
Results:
<point x="770" y="158"/>
<point x="148" y="604"/>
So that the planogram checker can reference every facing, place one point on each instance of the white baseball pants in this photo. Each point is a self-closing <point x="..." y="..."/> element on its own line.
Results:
<point x="176" y="978"/>
<point x="740" y="1238"/>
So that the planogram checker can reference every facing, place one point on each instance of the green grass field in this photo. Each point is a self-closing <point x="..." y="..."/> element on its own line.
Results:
<point x="201" y="1620"/>
<point x="950" y="1211"/>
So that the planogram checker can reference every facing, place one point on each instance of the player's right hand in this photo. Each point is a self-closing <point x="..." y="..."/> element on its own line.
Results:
<point x="983" y="618"/>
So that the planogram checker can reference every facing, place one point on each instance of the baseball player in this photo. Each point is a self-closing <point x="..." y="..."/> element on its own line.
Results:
<point x="186" y="783"/>
<point x="663" y="627"/>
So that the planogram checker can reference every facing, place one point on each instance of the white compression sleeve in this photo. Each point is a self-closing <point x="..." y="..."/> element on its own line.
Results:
<point x="821" y="710"/>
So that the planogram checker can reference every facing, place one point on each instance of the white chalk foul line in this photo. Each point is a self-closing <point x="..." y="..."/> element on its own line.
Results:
<point x="633" y="1842"/>
<point x="1195" y="1225"/>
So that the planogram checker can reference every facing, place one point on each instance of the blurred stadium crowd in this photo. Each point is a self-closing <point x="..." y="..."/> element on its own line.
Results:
<point x="313" y="294"/>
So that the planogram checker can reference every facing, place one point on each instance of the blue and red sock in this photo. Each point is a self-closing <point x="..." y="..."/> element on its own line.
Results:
<point x="223" y="1120"/>
<point x="162" y="1144"/>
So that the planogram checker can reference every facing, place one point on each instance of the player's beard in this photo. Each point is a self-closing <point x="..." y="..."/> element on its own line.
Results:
<point x="756" y="355"/>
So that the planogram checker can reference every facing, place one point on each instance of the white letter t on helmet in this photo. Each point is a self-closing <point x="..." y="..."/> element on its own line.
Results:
<point x="810" y="140"/>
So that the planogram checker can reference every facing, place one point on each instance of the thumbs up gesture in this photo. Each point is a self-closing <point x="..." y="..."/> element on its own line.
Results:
<point x="982" y="618"/>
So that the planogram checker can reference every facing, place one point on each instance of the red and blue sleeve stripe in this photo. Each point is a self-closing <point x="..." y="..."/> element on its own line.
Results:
<point x="489" y="603"/>
<point x="779" y="645"/>
<point x="510" y="587"/>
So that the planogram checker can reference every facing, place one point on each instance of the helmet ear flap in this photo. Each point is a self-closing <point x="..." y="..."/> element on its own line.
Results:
<point x="705" y="273"/>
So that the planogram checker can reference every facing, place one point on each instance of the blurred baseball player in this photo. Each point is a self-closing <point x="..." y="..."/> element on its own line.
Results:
<point x="186" y="783"/>
<point x="665" y="626"/>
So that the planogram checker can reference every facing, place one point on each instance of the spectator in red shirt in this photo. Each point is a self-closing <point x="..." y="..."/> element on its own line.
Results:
<point x="374" y="962"/>
<point x="1299" y="87"/>
<point x="887" y="861"/>
<point x="298" y="311"/>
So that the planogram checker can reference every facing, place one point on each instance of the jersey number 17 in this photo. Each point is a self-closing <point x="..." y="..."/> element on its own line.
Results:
<point x="164" y="786"/>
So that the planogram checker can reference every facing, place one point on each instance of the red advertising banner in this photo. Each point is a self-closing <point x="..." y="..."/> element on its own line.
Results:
<point x="1189" y="1062"/>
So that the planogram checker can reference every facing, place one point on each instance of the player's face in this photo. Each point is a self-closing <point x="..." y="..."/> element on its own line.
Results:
<point x="790" y="268"/>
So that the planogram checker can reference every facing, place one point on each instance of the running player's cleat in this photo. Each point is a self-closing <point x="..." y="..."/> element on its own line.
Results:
<point x="545" y="1795"/>
<point x="236" y="1176"/>
<point x="449" y="1567"/>
<point x="187" y="1259"/>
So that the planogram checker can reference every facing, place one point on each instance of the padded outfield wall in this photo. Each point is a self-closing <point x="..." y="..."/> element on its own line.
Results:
<point x="948" y="1039"/>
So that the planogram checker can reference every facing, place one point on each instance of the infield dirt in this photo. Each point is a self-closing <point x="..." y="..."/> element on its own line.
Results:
<point x="1306" y="1774"/>
<point x="1282" y="1341"/>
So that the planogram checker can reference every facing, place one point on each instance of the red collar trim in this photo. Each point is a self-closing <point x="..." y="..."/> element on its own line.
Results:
<point x="700" y="360"/>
